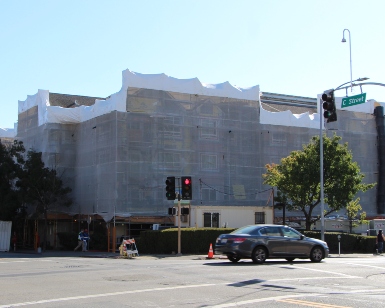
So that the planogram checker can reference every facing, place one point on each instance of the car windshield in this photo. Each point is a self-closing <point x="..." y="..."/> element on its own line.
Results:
<point x="244" y="230"/>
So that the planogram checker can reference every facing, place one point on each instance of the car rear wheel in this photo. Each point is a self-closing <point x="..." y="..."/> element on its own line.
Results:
<point x="316" y="254"/>
<point x="233" y="259"/>
<point x="259" y="255"/>
<point x="290" y="259"/>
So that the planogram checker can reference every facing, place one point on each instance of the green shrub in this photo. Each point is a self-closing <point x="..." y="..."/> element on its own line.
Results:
<point x="198" y="240"/>
<point x="349" y="243"/>
<point x="193" y="240"/>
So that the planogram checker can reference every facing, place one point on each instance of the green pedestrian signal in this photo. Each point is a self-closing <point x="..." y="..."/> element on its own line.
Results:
<point x="170" y="188"/>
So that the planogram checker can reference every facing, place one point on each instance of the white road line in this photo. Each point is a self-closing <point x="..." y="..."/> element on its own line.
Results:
<point x="62" y="299"/>
<point x="25" y="261"/>
<point x="364" y="265"/>
<point x="328" y="272"/>
<point x="312" y="278"/>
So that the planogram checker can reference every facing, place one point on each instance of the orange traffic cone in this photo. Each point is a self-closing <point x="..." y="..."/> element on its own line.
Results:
<point x="211" y="253"/>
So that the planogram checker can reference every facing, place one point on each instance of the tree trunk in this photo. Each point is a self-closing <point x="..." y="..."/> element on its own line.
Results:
<point x="308" y="225"/>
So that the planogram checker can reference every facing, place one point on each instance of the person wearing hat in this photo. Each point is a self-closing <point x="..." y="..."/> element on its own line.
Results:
<point x="380" y="241"/>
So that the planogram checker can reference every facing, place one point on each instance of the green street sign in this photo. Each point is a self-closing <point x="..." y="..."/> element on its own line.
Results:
<point x="353" y="100"/>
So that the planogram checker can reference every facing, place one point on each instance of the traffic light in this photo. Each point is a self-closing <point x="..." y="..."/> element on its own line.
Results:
<point x="171" y="211"/>
<point x="184" y="211"/>
<point x="170" y="188"/>
<point x="186" y="188"/>
<point x="329" y="105"/>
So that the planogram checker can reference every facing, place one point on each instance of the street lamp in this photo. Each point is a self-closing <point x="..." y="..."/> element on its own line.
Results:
<point x="350" y="49"/>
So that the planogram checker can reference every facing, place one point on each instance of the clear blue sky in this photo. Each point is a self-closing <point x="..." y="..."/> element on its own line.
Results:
<point x="287" y="47"/>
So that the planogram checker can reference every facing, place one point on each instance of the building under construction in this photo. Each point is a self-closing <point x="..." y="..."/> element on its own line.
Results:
<point x="116" y="152"/>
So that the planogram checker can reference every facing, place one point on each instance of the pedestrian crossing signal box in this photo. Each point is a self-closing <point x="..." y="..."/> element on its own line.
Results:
<point x="172" y="211"/>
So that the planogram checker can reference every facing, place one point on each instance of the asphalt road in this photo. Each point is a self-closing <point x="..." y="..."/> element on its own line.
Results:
<point x="86" y="280"/>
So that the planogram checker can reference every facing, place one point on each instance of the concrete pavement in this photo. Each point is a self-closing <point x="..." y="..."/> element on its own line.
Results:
<point x="104" y="254"/>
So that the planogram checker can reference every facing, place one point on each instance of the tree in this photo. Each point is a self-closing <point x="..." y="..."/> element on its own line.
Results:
<point x="353" y="213"/>
<point x="42" y="188"/>
<point x="297" y="178"/>
<point x="10" y="160"/>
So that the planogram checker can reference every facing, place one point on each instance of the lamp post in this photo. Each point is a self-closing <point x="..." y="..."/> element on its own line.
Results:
<point x="350" y="50"/>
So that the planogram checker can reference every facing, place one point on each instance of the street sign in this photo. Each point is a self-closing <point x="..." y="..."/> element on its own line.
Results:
<point x="353" y="100"/>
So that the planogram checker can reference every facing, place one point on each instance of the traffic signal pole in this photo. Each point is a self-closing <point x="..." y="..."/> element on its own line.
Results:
<point x="184" y="193"/>
<point x="179" y="231"/>
<point x="321" y="150"/>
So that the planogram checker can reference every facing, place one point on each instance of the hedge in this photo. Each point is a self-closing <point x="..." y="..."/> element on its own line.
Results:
<point x="198" y="240"/>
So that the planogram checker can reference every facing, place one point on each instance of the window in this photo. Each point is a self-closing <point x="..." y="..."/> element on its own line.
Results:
<point x="259" y="217"/>
<point x="209" y="129"/>
<point x="290" y="233"/>
<point x="271" y="231"/>
<point x="134" y="125"/>
<point x="172" y="126"/>
<point x="209" y="194"/>
<point x="209" y="162"/>
<point x="169" y="160"/>
<point x="278" y="138"/>
<point x="211" y="220"/>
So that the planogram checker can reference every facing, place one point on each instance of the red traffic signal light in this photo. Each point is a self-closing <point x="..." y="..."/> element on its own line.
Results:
<point x="186" y="188"/>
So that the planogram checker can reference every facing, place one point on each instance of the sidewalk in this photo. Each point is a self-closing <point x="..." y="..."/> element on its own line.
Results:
<point x="104" y="254"/>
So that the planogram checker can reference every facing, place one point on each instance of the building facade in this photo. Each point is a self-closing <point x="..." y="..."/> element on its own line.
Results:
<point x="116" y="152"/>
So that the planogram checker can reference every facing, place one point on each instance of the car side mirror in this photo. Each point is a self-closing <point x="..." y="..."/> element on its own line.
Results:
<point x="301" y="237"/>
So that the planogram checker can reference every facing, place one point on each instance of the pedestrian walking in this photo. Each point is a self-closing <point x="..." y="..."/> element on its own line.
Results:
<point x="86" y="239"/>
<point x="380" y="241"/>
<point x="80" y="240"/>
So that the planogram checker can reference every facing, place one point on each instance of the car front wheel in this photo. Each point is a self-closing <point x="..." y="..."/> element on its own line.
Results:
<point x="233" y="259"/>
<point x="316" y="254"/>
<point x="259" y="255"/>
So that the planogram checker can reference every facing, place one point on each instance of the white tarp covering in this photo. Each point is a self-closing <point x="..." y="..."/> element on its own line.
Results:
<point x="117" y="101"/>
<point x="189" y="86"/>
<point x="5" y="235"/>
<point x="287" y="118"/>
